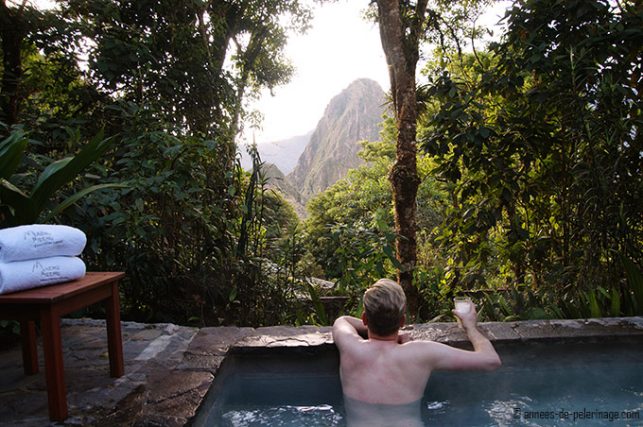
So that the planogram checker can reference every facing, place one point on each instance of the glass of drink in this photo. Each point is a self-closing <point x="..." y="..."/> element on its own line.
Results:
<point x="462" y="306"/>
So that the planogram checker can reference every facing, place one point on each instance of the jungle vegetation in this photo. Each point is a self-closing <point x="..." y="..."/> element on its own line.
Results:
<point x="121" y="118"/>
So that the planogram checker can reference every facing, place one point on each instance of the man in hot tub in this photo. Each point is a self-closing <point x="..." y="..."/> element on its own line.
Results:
<point x="384" y="375"/>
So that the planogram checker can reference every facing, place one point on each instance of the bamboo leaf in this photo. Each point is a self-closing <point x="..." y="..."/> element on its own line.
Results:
<point x="7" y="186"/>
<point x="232" y="296"/>
<point x="50" y="170"/>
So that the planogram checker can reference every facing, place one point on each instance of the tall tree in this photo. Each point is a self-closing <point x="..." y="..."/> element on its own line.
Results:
<point x="13" y="28"/>
<point x="194" y="60"/>
<point x="404" y="25"/>
<point x="169" y="79"/>
<point x="400" y="28"/>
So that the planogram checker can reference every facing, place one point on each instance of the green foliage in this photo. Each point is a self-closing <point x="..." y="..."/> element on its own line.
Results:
<point x="529" y="194"/>
<point x="194" y="61"/>
<point x="19" y="207"/>
<point x="635" y="282"/>
<point x="265" y="288"/>
<point x="319" y="310"/>
<point x="56" y="97"/>
<point x="535" y="150"/>
<point x="175" y="235"/>
<point x="539" y="142"/>
<point x="349" y="231"/>
<point x="349" y="227"/>
<point x="167" y="230"/>
<point x="167" y="81"/>
<point x="11" y="149"/>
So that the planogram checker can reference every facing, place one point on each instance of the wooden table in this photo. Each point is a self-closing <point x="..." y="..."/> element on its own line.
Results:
<point x="48" y="304"/>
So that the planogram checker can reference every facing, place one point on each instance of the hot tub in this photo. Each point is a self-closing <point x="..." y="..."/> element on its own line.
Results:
<point x="543" y="382"/>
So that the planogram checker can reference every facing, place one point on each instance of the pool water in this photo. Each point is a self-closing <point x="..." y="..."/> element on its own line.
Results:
<point x="539" y="384"/>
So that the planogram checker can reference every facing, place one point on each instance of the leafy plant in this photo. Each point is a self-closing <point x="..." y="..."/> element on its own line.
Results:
<point x="11" y="149"/>
<point x="635" y="281"/>
<point x="319" y="311"/>
<point x="538" y="139"/>
<point x="176" y="100"/>
<point x="19" y="207"/>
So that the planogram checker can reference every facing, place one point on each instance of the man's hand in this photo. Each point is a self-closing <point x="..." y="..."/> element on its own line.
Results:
<point x="484" y="355"/>
<point x="351" y="323"/>
<point x="470" y="319"/>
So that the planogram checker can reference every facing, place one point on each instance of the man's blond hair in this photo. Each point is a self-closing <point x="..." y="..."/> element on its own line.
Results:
<point x="384" y="305"/>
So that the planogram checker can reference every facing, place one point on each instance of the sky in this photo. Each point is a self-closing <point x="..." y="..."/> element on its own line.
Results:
<point x="339" y="48"/>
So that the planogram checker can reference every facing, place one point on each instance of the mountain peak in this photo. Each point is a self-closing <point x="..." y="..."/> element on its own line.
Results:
<point x="351" y="116"/>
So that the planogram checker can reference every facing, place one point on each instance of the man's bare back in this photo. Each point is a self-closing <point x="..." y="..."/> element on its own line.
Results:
<point x="383" y="370"/>
<point x="391" y="369"/>
<point x="386" y="372"/>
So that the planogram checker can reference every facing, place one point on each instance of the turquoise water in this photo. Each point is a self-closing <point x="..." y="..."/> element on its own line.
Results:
<point x="540" y="384"/>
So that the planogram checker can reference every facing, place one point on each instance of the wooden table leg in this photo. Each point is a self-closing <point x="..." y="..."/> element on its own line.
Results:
<point x="29" y="348"/>
<point x="54" y="369"/>
<point x="114" y="338"/>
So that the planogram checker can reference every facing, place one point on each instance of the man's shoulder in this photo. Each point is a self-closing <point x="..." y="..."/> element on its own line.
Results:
<point x="422" y="343"/>
<point x="422" y="350"/>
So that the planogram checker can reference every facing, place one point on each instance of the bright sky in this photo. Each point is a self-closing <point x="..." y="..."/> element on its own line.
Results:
<point x="339" y="48"/>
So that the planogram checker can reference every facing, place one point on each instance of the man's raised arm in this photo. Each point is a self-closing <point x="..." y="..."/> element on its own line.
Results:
<point x="483" y="357"/>
<point x="489" y="359"/>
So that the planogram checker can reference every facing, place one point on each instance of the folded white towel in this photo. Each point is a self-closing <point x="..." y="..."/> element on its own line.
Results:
<point x="40" y="241"/>
<point x="21" y="275"/>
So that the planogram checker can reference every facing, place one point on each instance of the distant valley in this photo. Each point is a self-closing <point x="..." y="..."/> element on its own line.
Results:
<point x="303" y="166"/>
<point x="284" y="154"/>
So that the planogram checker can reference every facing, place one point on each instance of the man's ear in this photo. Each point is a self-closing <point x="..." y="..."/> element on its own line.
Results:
<point x="403" y="320"/>
<point x="364" y="320"/>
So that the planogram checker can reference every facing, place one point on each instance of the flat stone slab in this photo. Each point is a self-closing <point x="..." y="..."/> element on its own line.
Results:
<point x="169" y="368"/>
<point x="557" y="329"/>
<point x="287" y="336"/>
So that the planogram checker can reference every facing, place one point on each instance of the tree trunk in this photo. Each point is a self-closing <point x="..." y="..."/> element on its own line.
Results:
<point x="12" y="33"/>
<point x="401" y="48"/>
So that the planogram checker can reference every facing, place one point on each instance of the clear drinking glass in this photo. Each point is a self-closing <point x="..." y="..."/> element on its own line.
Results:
<point x="462" y="306"/>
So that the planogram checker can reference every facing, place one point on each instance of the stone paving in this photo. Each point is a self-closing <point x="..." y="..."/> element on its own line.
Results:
<point x="169" y="368"/>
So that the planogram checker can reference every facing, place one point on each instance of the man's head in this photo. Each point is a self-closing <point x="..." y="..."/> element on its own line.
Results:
<point x="384" y="305"/>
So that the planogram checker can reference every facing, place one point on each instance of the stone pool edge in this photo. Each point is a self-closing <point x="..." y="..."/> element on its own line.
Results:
<point x="172" y="391"/>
